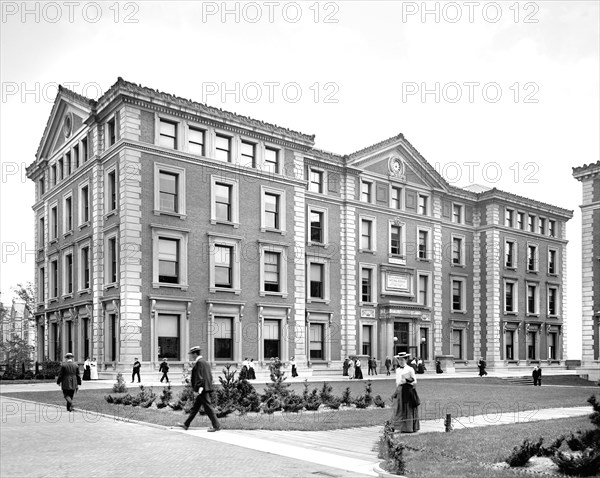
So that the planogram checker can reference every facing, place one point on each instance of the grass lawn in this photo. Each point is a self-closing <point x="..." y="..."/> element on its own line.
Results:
<point x="468" y="453"/>
<point x="460" y="397"/>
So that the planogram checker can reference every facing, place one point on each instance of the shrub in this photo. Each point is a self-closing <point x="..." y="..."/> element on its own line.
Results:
<point x="165" y="397"/>
<point x="49" y="369"/>
<point x="586" y="464"/>
<point x="119" y="386"/>
<point x="346" y="399"/>
<point x="390" y="450"/>
<point x="185" y="399"/>
<point x="360" y="402"/>
<point x="277" y="390"/>
<point x="521" y="454"/>
<point x="326" y="393"/>
<point x="378" y="401"/>
<point x="313" y="401"/>
<point x="145" y="397"/>
<point x="368" y="393"/>
<point x="293" y="403"/>
<point x="249" y="400"/>
<point x="272" y="405"/>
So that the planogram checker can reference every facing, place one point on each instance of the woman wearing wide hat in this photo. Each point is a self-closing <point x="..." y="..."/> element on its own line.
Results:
<point x="405" y="406"/>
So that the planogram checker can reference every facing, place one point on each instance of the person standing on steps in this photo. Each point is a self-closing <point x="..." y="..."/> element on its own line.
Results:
<point x="136" y="370"/>
<point x="537" y="376"/>
<point x="293" y="364"/>
<point x="94" y="369"/>
<point x="69" y="380"/>
<point x="350" y="370"/>
<point x="202" y="384"/>
<point x="87" y="369"/>
<point x="164" y="368"/>
<point x="357" y="369"/>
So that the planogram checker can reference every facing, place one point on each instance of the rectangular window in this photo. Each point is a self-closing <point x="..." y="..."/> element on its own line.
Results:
<point x="423" y="239"/>
<point x="271" y="160"/>
<point x="521" y="220"/>
<point x="76" y="156"/>
<point x="272" y="339"/>
<point x="457" y="344"/>
<point x="68" y="214"/>
<point x="316" y="181"/>
<point x="69" y="273"/>
<point x="457" y="211"/>
<point x="551" y="228"/>
<point x="85" y="264"/>
<point x="532" y="299"/>
<point x="113" y="334"/>
<point x="317" y="289"/>
<point x="509" y="254"/>
<point x="54" y="278"/>
<point x="509" y="339"/>
<point x="85" y="204"/>
<point x="542" y="225"/>
<point x="367" y="339"/>
<point x="457" y="295"/>
<point x="531" y="223"/>
<point x="248" y="158"/>
<point x="316" y="227"/>
<point x="223" y="148"/>
<point x="551" y="262"/>
<point x="42" y="187"/>
<point x="168" y="190"/>
<point x="60" y="170"/>
<point x="42" y="285"/>
<point x="223" y="201"/>
<point x="366" y="240"/>
<point x="168" y="134"/>
<point x="271" y="210"/>
<point x="168" y="260"/>
<point x="111" y="132"/>
<point x="509" y="218"/>
<point x="271" y="269"/>
<point x="552" y="300"/>
<point x="41" y="232"/>
<point x="68" y="165"/>
<point x="53" y="175"/>
<point x="457" y="255"/>
<point x="112" y="190"/>
<point x="85" y="329"/>
<point x="552" y="345"/>
<point x="423" y="200"/>
<point x="509" y="297"/>
<point x="316" y="342"/>
<point x="223" y="338"/>
<point x="396" y="240"/>
<point x="423" y="346"/>
<point x="69" y="327"/>
<point x="167" y="332"/>
<point x="224" y="266"/>
<point x="366" y="284"/>
<point x="196" y="141"/>
<point x="396" y="201"/>
<point x="112" y="260"/>
<point x="424" y="290"/>
<point x="365" y="191"/>
<point x="84" y="150"/>
<point x="54" y="223"/>
<point x="531" y="353"/>
<point x="532" y="258"/>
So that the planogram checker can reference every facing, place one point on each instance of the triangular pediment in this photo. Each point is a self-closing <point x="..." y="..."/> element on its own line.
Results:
<point x="398" y="160"/>
<point x="66" y="118"/>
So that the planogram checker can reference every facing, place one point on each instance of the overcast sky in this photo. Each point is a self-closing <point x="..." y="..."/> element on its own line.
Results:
<point x="511" y="87"/>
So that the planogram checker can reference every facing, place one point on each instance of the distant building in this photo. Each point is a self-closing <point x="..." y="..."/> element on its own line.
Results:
<point x="589" y="175"/>
<point x="17" y="323"/>
<point x="163" y="223"/>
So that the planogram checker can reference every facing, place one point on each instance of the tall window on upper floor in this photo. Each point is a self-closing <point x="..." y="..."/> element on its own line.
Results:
<point x="248" y="154"/>
<point x="271" y="211"/>
<point x="112" y="269"/>
<point x="396" y="198"/>
<point x="272" y="277"/>
<point x="196" y="138"/>
<point x="223" y="201"/>
<point x="315" y="181"/>
<point x="54" y="279"/>
<point x="509" y="217"/>
<point x="458" y="257"/>
<point x="424" y="289"/>
<point x="458" y="295"/>
<point x="41" y="233"/>
<point x="53" y="223"/>
<point x="509" y="254"/>
<point x="271" y="163"/>
<point x="84" y="267"/>
<point x="551" y="228"/>
<point x="223" y="148"/>
<point x="316" y="227"/>
<point x="60" y="170"/>
<point x="41" y="187"/>
<point x="68" y="289"/>
<point x="223" y="261"/>
<point x="42" y="285"/>
<point x="365" y="191"/>
<point x="317" y="281"/>
<point x="423" y="240"/>
<point x="111" y="190"/>
<point x="457" y="214"/>
<point x="542" y="225"/>
<point x="366" y="279"/>
<point x="84" y="150"/>
<point x="531" y="223"/>
<point x="168" y="191"/>
<point x="168" y="260"/>
<point x="532" y="299"/>
<point x="68" y="214"/>
<point x="423" y="206"/>
<point x="552" y="301"/>
<point x="396" y="240"/>
<point x="167" y="134"/>
<point x="510" y="297"/>
<point x="366" y="235"/>
<point x="552" y="269"/>
<point x="53" y="175"/>
<point x="111" y="132"/>
<point x="68" y="164"/>
<point x="521" y="220"/>
<point x="532" y="258"/>
<point x="84" y="201"/>
<point x="76" y="156"/>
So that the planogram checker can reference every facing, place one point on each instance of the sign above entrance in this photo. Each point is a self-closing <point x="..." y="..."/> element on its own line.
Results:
<point x="367" y="313"/>
<point x="397" y="281"/>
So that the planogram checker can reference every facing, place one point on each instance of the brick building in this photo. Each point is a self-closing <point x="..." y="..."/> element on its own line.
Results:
<point x="589" y="175"/>
<point x="163" y="223"/>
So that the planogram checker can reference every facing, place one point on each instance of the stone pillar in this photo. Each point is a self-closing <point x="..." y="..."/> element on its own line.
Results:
<point x="476" y="286"/>
<point x="348" y="267"/>
<point x="438" y="258"/>
<point x="495" y="288"/>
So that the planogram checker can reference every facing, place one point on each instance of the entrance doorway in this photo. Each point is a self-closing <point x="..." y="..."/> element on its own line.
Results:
<point x="401" y="333"/>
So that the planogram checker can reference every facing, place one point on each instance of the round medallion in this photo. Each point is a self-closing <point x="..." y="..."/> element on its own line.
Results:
<point x="67" y="125"/>
<point x="396" y="166"/>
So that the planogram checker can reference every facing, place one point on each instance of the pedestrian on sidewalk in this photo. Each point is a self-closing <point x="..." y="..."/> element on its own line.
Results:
<point x="293" y="364"/>
<point x="372" y="366"/>
<point x="481" y="366"/>
<point x="245" y="374"/>
<point x="413" y="364"/>
<point x="420" y="366"/>
<point x="345" y="367"/>
<point x="136" y="370"/>
<point x="86" y="369"/>
<point x="94" y="369"/>
<point x="405" y="404"/>
<point x="251" y="373"/>
<point x="164" y="368"/>
<point x="357" y="369"/>
<point x="388" y="364"/>
<point x="350" y="370"/>
<point x="438" y="367"/>
<point x="69" y="380"/>
<point x="202" y="384"/>
<point x="537" y="376"/>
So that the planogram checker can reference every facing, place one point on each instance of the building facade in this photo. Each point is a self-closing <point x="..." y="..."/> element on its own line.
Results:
<point x="16" y="323"/>
<point x="163" y="223"/>
<point x="589" y="175"/>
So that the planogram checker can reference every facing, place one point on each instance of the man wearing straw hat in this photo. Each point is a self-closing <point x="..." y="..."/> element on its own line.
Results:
<point x="69" y="380"/>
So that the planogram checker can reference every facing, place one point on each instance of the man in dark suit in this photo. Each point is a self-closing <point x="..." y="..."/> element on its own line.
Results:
<point x="69" y="380"/>
<point x="164" y="368"/>
<point x="136" y="370"/>
<point x="202" y="384"/>
<point x="537" y="376"/>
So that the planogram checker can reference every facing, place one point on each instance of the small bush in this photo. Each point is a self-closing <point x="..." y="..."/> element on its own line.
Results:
<point x="360" y="402"/>
<point x="521" y="454"/>
<point x="346" y="399"/>
<point x="119" y="386"/>
<point x="293" y="403"/>
<point x="313" y="401"/>
<point x="390" y="450"/>
<point x="165" y="397"/>
<point x="379" y="402"/>
<point x="334" y="403"/>
<point x="326" y="393"/>
<point x="368" y="393"/>
<point x="271" y="405"/>
<point x="586" y="464"/>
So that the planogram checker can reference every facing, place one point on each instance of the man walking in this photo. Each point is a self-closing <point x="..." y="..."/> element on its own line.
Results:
<point x="481" y="365"/>
<point x="136" y="370"/>
<point x="388" y="364"/>
<point x="164" y="368"/>
<point x="537" y="376"/>
<point x="69" y="380"/>
<point x="202" y="384"/>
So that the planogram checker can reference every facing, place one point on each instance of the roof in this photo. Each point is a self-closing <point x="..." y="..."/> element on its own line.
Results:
<point x="586" y="169"/>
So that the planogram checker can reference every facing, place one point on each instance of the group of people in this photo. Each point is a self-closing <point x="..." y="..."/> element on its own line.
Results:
<point x="247" y="372"/>
<point x="352" y="368"/>
<point x="90" y="369"/>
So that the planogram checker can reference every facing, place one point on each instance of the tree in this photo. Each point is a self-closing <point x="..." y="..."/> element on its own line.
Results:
<point x="17" y="351"/>
<point x="27" y="294"/>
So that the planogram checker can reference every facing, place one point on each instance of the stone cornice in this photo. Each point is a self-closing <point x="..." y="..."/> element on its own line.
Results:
<point x="524" y="202"/>
<point x="586" y="170"/>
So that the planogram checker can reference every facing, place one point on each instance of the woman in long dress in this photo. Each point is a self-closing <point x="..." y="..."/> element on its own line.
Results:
<point x="94" y="369"/>
<point x="405" y="408"/>
<point x="351" y="368"/>
<point x="86" y="369"/>
<point x="251" y="374"/>
<point x="293" y="364"/>
<point x="357" y="370"/>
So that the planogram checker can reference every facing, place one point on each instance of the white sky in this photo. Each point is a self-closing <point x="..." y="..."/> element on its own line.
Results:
<point x="365" y="61"/>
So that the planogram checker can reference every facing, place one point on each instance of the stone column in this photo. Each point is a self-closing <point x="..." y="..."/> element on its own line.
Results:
<point x="438" y="258"/>
<point x="348" y="267"/>
<point x="494" y="286"/>
<point x="476" y="286"/>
